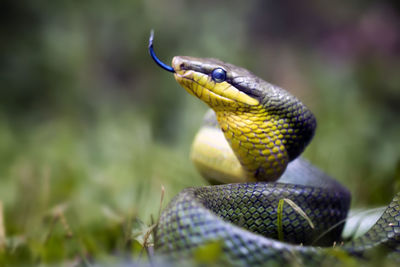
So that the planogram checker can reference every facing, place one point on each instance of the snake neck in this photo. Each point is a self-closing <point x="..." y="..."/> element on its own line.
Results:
<point x="258" y="144"/>
<point x="266" y="137"/>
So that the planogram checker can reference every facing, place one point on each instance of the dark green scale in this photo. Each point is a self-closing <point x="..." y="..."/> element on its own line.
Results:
<point x="255" y="208"/>
<point x="200" y="216"/>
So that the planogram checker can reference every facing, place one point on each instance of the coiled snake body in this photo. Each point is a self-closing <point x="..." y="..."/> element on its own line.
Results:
<point x="253" y="138"/>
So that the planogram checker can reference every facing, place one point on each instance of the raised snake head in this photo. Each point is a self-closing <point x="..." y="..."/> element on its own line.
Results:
<point x="266" y="126"/>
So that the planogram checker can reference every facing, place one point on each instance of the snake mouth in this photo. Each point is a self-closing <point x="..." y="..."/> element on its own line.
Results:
<point x="204" y="87"/>
<point x="194" y="87"/>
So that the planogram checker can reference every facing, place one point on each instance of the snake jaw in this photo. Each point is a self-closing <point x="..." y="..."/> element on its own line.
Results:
<point x="193" y="83"/>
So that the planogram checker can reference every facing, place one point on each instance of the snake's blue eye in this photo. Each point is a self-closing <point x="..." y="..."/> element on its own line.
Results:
<point x="218" y="75"/>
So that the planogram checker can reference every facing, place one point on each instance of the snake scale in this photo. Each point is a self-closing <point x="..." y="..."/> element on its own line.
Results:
<point x="269" y="205"/>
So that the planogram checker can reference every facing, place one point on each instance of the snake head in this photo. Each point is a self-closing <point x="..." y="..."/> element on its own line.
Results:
<point x="214" y="82"/>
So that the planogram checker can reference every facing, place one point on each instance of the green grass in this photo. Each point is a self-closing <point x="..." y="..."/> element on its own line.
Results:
<point x="78" y="192"/>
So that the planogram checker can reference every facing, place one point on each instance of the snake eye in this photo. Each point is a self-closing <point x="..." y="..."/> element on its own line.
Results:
<point x="218" y="75"/>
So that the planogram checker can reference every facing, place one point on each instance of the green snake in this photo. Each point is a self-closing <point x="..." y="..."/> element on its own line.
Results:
<point x="270" y="205"/>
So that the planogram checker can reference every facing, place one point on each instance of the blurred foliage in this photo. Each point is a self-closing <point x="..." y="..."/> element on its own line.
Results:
<point x="91" y="129"/>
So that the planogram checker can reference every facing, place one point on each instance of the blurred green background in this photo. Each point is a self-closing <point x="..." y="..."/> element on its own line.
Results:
<point x="91" y="129"/>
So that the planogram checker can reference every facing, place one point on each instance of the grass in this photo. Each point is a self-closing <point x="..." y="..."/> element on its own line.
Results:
<point x="73" y="192"/>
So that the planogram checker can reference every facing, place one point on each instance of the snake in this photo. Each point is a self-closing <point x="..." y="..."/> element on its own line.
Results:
<point x="266" y="204"/>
